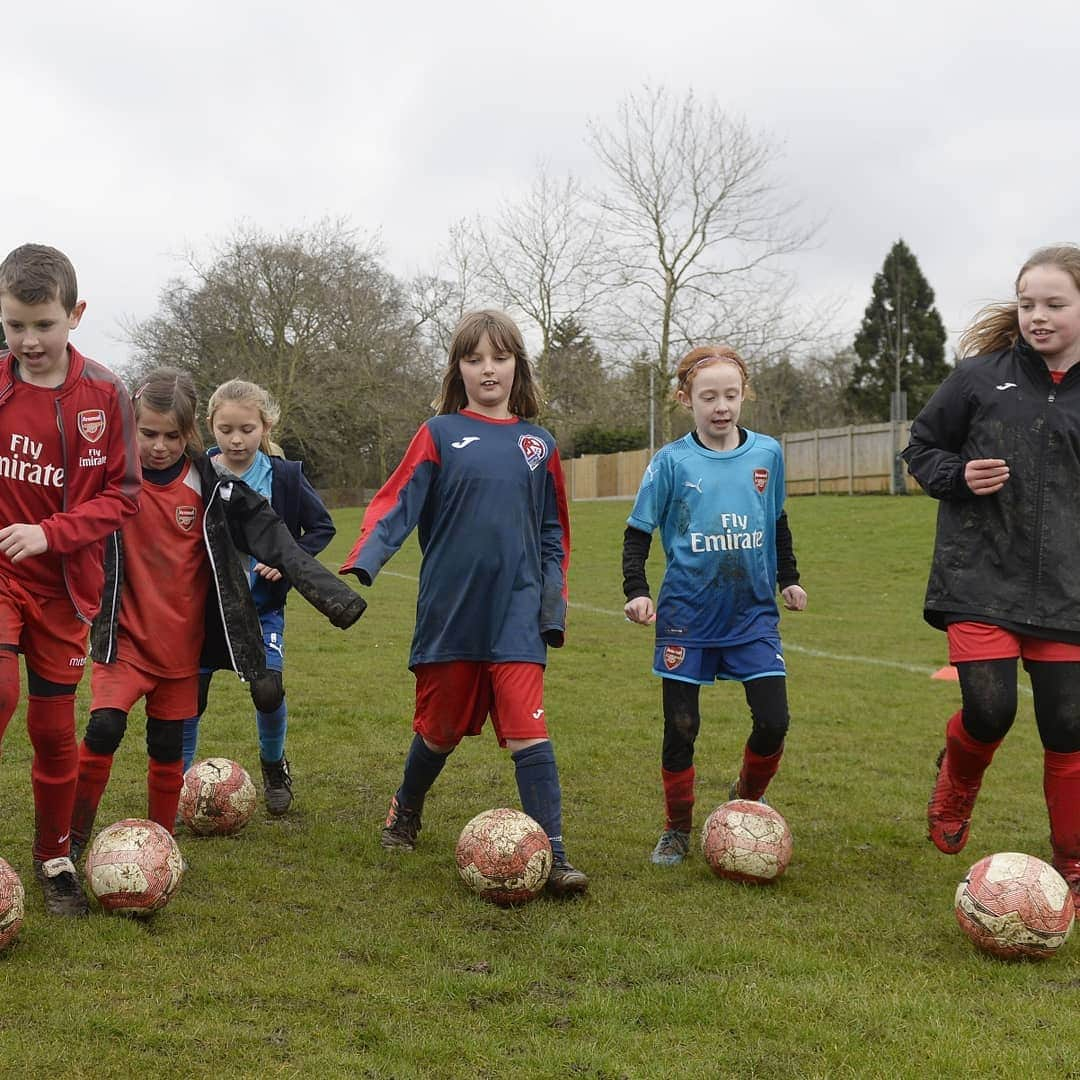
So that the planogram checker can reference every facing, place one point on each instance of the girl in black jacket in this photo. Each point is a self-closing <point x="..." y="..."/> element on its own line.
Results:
<point x="174" y="590"/>
<point x="999" y="445"/>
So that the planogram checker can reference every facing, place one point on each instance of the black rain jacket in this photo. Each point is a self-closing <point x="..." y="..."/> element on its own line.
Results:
<point x="237" y="519"/>
<point x="1012" y="558"/>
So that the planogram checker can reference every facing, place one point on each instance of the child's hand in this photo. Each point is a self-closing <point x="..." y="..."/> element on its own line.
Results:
<point x="19" y="541"/>
<point x="986" y="476"/>
<point x="640" y="610"/>
<point x="267" y="572"/>
<point x="794" y="598"/>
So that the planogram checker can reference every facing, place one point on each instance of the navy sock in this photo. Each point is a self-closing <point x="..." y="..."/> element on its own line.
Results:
<point x="422" y="768"/>
<point x="271" y="728"/>
<point x="541" y="795"/>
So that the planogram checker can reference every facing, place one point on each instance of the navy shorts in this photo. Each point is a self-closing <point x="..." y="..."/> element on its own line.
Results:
<point x="740" y="663"/>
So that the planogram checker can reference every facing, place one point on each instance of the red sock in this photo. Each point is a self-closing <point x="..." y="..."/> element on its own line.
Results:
<point x="1061" y="785"/>
<point x="94" y="770"/>
<point x="9" y="687"/>
<point x="164" y="779"/>
<point x="968" y="758"/>
<point x="756" y="772"/>
<point x="54" y="773"/>
<point x="679" y="798"/>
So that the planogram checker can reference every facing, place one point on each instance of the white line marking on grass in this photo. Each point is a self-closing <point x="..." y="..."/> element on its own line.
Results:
<point x="818" y="654"/>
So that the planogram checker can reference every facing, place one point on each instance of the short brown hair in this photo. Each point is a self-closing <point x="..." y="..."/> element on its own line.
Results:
<point x="36" y="274"/>
<point x="505" y="336"/>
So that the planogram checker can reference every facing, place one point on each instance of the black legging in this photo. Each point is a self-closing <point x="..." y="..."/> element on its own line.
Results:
<point x="988" y="693"/>
<point x="767" y="698"/>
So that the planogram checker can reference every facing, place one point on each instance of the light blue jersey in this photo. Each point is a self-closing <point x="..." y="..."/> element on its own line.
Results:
<point x="716" y="512"/>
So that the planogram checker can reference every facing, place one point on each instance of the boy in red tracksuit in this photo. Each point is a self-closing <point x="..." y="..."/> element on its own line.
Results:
<point x="69" y="476"/>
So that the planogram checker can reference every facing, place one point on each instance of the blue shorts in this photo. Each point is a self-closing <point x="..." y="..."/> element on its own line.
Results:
<point x="740" y="663"/>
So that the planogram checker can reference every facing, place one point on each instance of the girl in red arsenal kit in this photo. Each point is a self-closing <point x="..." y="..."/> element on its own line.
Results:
<point x="177" y="554"/>
<point x="999" y="445"/>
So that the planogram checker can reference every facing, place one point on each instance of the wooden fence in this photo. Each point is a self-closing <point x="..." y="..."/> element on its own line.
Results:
<point x="852" y="460"/>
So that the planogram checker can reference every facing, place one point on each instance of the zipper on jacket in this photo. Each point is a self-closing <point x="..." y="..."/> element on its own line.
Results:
<point x="114" y="602"/>
<point x="217" y="580"/>
<point x="1040" y="496"/>
<point x="64" y="506"/>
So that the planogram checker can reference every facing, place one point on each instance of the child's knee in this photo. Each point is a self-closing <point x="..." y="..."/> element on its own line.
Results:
<point x="268" y="692"/>
<point x="105" y="731"/>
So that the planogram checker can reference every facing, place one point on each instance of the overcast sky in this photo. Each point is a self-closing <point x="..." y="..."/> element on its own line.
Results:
<point x="133" y="134"/>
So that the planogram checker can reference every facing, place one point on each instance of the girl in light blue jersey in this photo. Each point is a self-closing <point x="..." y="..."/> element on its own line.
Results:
<point x="717" y="498"/>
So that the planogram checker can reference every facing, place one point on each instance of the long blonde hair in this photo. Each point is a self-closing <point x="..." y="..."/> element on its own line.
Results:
<point x="502" y="332"/>
<point x="242" y="392"/>
<point x="997" y="326"/>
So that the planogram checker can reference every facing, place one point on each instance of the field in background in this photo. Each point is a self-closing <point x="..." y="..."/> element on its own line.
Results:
<point x="302" y="948"/>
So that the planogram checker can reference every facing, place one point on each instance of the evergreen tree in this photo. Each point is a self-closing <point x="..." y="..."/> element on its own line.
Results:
<point x="901" y="337"/>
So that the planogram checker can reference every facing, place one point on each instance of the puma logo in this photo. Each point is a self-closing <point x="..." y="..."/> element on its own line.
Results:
<point x="536" y="715"/>
<point x="1005" y="386"/>
<point x="462" y="443"/>
<point x="696" y="487"/>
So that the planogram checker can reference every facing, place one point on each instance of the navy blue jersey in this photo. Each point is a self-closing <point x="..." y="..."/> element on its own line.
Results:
<point x="716" y="511"/>
<point x="488" y="500"/>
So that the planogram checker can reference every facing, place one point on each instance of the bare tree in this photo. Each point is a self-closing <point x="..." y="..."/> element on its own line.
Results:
<point x="544" y="257"/>
<point x="440" y="296"/>
<point x="696" y="223"/>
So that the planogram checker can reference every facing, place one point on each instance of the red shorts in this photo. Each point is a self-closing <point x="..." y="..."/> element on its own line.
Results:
<point x="120" y="684"/>
<point x="978" y="641"/>
<point x="454" y="699"/>
<point x="45" y="630"/>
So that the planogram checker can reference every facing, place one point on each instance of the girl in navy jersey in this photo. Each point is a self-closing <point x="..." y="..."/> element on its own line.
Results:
<point x="484" y="487"/>
<point x="241" y="416"/>
<point x="156" y="624"/>
<point x="717" y="498"/>
<point x="999" y="445"/>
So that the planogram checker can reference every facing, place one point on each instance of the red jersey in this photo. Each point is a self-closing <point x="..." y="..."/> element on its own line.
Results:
<point x="166" y="578"/>
<point x="96" y="425"/>
<point x="32" y="478"/>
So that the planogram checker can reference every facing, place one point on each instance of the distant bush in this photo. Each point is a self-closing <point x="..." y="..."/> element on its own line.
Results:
<point x="601" y="440"/>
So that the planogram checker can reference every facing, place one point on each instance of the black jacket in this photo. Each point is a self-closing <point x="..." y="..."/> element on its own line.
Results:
<point x="237" y="519"/>
<point x="1012" y="558"/>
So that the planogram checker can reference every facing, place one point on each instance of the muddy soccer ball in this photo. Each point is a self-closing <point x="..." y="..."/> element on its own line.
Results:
<point x="1013" y="905"/>
<point x="218" y="797"/>
<point x="746" y="841"/>
<point x="504" y="856"/>
<point x="133" y="867"/>
<point x="12" y="898"/>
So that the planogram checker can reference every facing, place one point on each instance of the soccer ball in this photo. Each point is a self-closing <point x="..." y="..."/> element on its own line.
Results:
<point x="134" y="867"/>
<point x="12" y="897"/>
<point x="1013" y="905"/>
<point x="218" y="797"/>
<point x="744" y="840"/>
<point x="504" y="856"/>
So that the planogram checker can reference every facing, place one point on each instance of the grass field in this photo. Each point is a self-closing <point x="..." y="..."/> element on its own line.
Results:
<point x="302" y="948"/>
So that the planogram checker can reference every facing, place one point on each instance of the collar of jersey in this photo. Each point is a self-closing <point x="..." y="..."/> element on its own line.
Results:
<point x="488" y="419"/>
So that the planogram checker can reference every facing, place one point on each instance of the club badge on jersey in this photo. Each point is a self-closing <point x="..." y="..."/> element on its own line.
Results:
<point x="535" y="450"/>
<point x="91" y="424"/>
<point x="761" y="480"/>
<point x="185" y="517"/>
